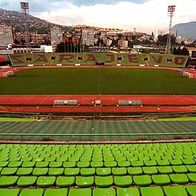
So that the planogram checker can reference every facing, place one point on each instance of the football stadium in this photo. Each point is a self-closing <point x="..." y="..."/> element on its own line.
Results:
<point x="97" y="124"/>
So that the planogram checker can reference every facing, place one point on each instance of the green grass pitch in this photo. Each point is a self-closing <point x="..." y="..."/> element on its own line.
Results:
<point x="101" y="80"/>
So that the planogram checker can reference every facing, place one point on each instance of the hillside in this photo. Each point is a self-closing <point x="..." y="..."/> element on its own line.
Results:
<point x="17" y="21"/>
<point x="187" y="30"/>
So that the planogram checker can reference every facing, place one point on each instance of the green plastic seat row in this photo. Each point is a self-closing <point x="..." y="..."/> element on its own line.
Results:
<point x="99" y="181"/>
<point x="144" y="191"/>
<point x="184" y="146"/>
<point x="83" y="161"/>
<point x="147" y="157"/>
<point x="26" y="171"/>
<point x="95" y="164"/>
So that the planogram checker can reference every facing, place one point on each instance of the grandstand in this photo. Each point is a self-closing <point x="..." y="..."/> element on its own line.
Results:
<point x="98" y="170"/>
<point x="98" y="58"/>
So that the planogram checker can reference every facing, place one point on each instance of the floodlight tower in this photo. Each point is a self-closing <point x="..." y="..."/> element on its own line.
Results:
<point x="171" y="12"/>
<point x="25" y="9"/>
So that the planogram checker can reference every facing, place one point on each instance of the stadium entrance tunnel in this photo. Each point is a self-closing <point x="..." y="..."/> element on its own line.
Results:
<point x="100" y="63"/>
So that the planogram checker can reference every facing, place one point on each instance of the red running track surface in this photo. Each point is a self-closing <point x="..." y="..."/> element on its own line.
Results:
<point x="173" y="100"/>
<point x="44" y="104"/>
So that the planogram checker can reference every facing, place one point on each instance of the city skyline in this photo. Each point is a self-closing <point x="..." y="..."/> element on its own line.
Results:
<point x="144" y="15"/>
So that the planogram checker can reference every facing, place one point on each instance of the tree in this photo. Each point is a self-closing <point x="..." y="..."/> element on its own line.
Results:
<point x="60" y="47"/>
<point x="114" y="43"/>
<point x="16" y="42"/>
<point x="181" y="51"/>
<point x="162" y="39"/>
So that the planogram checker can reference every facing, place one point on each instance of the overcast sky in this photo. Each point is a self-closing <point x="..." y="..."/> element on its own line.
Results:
<point x="144" y="15"/>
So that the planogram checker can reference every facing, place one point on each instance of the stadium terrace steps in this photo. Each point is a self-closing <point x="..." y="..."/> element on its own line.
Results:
<point x="98" y="59"/>
<point x="98" y="170"/>
<point x="99" y="130"/>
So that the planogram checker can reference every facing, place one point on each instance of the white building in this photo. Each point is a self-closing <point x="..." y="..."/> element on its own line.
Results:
<point x="56" y="35"/>
<point x="88" y="38"/>
<point x="6" y="35"/>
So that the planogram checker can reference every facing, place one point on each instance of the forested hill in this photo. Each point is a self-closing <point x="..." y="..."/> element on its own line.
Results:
<point x="17" y="21"/>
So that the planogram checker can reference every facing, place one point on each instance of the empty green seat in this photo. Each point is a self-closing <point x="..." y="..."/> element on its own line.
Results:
<point x="42" y="164"/>
<point x="162" y="179"/>
<point x="103" y="171"/>
<point x="119" y="171"/>
<point x="62" y="181"/>
<point x="8" y="171"/>
<point x="137" y="163"/>
<point x="175" y="162"/>
<point x="6" y="181"/>
<point x="32" y="192"/>
<point x="188" y="161"/>
<point x="143" y="180"/>
<point x="128" y="191"/>
<point x="180" y="169"/>
<point x="87" y="171"/>
<point x="123" y="181"/>
<point x="50" y="159"/>
<point x="83" y="164"/>
<point x="9" y="192"/>
<point x="152" y="191"/>
<point x="192" y="177"/>
<point x="179" y="178"/>
<point x="163" y="162"/>
<point x="191" y="189"/>
<point x="150" y="170"/>
<point x="72" y="171"/>
<point x="96" y="164"/>
<point x="134" y="170"/>
<point x="84" y="181"/>
<point x="103" y="181"/>
<point x="3" y="163"/>
<point x="26" y="181"/>
<point x="26" y="159"/>
<point x="14" y="158"/>
<point x="104" y="192"/>
<point x="69" y="164"/>
<point x="28" y="164"/>
<point x="40" y="171"/>
<point x="165" y="170"/>
<point x="56" y="164"/>
<point x="15" y="164"/>
<point x="175" y="190"/>
<point x="24" y="171"/>
<point x="124" y="163"/>
<point x="150" y="162"/>
<point x="191" y="168"/>
<point x="110" y="163"/>
<point x="79" y="192"/>
<point x="56" y="171"/>
<point x="56" y="192"/>
<point x="45" y="181"/>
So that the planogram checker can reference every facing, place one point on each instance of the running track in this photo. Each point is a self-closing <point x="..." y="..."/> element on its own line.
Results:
<point x="44" y="104"/>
